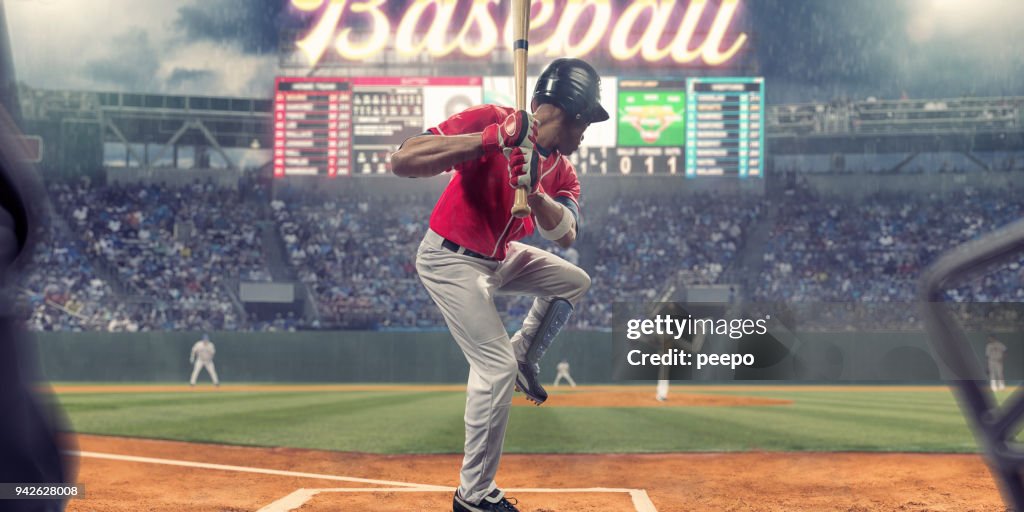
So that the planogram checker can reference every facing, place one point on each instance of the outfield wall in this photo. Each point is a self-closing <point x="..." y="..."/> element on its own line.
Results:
<point x="353" y="356"/>
<point x="344" y="356"/>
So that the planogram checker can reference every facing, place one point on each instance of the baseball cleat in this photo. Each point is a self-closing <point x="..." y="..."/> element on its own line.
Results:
<point x="528" y="382"/>
<point x="494" y="502"/>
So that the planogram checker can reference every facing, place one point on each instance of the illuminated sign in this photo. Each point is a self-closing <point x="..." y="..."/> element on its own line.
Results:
<point x="648" y="30"/>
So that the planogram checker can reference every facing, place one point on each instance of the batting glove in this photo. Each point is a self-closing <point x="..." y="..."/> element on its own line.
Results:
<point x="523" y="166"/>
<point x="519" y="129"/>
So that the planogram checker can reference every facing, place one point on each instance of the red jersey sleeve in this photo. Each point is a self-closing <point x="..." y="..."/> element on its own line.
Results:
<point x="566" y="183"/>
<point x="471" y="120"/>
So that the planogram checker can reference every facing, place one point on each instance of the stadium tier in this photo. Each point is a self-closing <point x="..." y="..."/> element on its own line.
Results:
<point x="149" y="257"/>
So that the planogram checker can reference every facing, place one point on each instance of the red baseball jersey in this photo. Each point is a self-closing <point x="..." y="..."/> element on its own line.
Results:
<point x="474" y="211"/>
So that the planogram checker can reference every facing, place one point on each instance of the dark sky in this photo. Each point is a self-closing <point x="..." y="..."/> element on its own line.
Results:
<point x="927" y="48"/>
<point x="806" y="49"/>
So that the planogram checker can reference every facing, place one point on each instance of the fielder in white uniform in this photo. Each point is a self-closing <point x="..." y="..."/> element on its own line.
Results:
<point x="202" y="357"/>
<point x="661" y="391"/>
<point x="563" y="373"/>
<point x="994" y="351"/>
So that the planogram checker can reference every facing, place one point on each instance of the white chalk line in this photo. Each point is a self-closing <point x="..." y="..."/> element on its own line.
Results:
<point x="293" y="501"/>
<point x="641" y="501"/>
<point x="244" y="469"/>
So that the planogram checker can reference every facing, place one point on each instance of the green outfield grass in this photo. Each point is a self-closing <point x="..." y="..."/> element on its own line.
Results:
<point x="431" y="422"/>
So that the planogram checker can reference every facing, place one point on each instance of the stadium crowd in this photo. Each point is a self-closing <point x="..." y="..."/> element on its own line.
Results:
<point x="152" y="257"/>
<point x="172" y="251"/>
<point x="872" y="250"/>
<point x="64" y="292"/>
<point x="642" y="244"/>
<point x="356" y="256"/>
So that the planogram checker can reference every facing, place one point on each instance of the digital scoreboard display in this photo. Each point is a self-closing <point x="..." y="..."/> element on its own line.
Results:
<point x="312" y="126"/>
<point x="652" y="114"/>
<point x="695" y="127"/>
<point x="651" y="126"/>
<point x="724" y="128"/>
<point x="340" y="126"/>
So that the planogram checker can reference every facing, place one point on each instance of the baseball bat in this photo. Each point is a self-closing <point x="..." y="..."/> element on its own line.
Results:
<point x="520" y="45"/>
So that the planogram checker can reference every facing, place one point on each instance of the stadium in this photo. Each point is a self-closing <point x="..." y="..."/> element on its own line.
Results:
<point x="848" y="178"/>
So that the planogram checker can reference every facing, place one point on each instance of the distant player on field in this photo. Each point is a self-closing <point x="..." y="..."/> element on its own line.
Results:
<point x="563" y="373"/>
<point x="661" y="390"/>
<point x="202" y="357"/>
<point x="994" y="351"/>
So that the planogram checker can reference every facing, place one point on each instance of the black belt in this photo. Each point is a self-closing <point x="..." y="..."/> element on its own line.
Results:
<point x="454" y="247"/>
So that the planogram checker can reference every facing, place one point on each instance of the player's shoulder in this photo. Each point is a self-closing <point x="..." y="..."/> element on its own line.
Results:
<point x="564" y="167"/>
<point x="473" y="119"/>
<point x="488" y="111"/>
<point x="560" y="179"/>
<point x="566" y="163"/>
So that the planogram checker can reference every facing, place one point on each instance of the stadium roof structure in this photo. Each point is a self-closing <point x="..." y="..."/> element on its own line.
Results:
<point x="77" y="123"/>
<point x="169" y="120"/>
<point x="873" y="126"/>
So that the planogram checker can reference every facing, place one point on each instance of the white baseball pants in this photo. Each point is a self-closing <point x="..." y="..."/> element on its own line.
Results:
<point x="464" y="287"/>
<point x="566" y="376"/>
<point x="199" y="365"/>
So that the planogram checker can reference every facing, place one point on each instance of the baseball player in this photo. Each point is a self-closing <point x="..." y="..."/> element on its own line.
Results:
<point x="994" y="351"/>
<point x="563" y="373"/>
<point x="470" y="253"/>
<point x="202" y="357"/>
<point x="661" y="390"/>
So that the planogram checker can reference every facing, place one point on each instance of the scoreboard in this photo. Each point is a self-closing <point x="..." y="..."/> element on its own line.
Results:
<point x="724" y="134"/>
<point x="651" y="126"/>
<point x="312" y="126"/>
<point x="341" y="126"/>
<point x="696" y="127"/>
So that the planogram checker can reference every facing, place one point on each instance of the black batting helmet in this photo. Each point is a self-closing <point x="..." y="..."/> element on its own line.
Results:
<point x="574" y="86"/>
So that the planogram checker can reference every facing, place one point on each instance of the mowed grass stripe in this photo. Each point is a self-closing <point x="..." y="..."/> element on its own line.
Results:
<point x="431" y="422"/>
<point x="176" y="409"/>
<point x="864" y="413"/>
<point x="87" y="402"/>
<point x="834" y="417"/>
<point x="152" y="414"/>
<point x="881" y="398"/>
<point x="833" y="428"/>
<point x="534" y="430"/>
<point x="273" y="420"/>
<point x="938" y="405"/>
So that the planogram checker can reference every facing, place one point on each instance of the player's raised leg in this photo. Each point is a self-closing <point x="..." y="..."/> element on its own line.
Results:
<point x="558" y="286"/>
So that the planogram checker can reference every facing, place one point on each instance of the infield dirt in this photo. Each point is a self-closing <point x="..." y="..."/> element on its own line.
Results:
<point x="774" y="482"/>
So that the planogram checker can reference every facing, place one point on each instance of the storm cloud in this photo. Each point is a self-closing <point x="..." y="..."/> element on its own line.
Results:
<point x="130" y="63"/>
<point x="251" y="25"/>
<point x="204" y="47"/>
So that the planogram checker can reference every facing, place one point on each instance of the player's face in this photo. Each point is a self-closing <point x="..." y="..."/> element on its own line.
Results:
<point x="558" y="131"/>
<point x="571" y="136"/>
